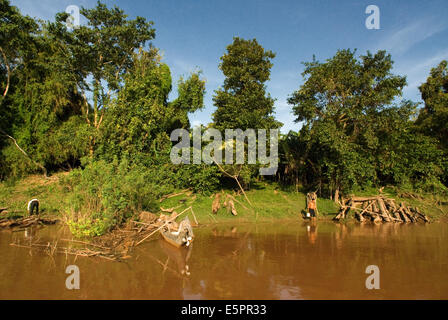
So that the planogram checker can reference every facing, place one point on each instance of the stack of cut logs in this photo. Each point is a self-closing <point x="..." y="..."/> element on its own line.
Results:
<point x="379" y="209"/>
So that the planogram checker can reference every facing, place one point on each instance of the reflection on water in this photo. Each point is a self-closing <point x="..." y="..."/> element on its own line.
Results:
<point x="288" y="260"/>
<point x="312" y="231"/>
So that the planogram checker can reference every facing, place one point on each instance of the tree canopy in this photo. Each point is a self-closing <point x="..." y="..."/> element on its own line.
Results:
<point x="355" y="132"/>
<point x="97" y="97"/>
<point x="242" y="102"/>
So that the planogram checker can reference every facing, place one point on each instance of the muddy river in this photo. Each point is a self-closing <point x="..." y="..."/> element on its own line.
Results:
<point x="288" y="260"/>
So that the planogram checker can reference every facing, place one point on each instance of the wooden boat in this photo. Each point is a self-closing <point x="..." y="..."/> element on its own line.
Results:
<point x="183" y="236"/>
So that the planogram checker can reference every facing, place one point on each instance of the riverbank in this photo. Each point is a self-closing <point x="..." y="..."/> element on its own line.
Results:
<point x="268" y="201"/>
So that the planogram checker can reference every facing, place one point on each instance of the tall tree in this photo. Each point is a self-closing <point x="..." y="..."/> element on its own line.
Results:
<point x="142" y="111"/>
<point x="16" y="35"/>
<point x="433" y="117"/>
<point x="103" y="49"/>
<point x="44" y="97"/>
<point x="348" y="108"/>
<point x="242" y="102"/>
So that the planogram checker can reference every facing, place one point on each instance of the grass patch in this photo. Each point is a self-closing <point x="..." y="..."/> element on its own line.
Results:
<point x="51" y="194"/>
<point x="268" y="203"/>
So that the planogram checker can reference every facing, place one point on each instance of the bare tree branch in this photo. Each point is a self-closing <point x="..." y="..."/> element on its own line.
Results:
<point x="23" y="151"/>
<point x="8" y="77"/>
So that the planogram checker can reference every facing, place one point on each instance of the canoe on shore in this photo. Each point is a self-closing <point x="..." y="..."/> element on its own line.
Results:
<point x="183" y="236"/>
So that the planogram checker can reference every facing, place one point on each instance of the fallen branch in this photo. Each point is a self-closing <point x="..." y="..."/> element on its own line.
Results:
<point x="233" y="177"/>
<point x="173" y="195"/>
<point x="26" y="154"/>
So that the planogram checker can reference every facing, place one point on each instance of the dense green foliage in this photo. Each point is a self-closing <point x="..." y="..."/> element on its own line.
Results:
<point x="433" y="118"/>
<point x="355" y="134"/>
<point x="242" y="102"/>
<point x="94" y="100"/>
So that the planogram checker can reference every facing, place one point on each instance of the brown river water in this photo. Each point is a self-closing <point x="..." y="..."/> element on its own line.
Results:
<point x="285" y="260"/>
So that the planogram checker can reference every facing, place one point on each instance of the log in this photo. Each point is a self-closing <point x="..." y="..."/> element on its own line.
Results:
<point x="362" y="199"/>
<point x="173" y="195"/>
<point x="408" y="213"/>
<point x="365" y="209"/>
<point x="377" y="218"/>
<point x="374" y="207"/>
<point x="421" y="215"/>
<point x="393" y="209"/>
<point x="383" y="210"/>
<point x="216" y="205"/>
<point x="340" y="213"/>
<point x="403" y="214"/>
<point x="342" y="210"/>
<point x="231" y="207"/>
<point x="359" y="217"/>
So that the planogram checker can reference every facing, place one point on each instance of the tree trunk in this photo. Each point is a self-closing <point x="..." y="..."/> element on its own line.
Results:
<point x="336" y="195"/>
<point x="8" y="72"/>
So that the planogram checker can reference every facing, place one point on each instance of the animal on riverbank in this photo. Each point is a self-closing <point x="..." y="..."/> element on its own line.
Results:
<point x="33" y="206"/>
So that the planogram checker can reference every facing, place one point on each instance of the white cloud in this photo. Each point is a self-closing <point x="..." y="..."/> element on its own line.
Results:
<point x="405" y="38"/>
<point x="417" y="73"/>
<point x="47" y="9"/>
<point x="43" y="9"/>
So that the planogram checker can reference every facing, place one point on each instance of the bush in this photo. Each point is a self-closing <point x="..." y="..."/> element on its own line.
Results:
<point x="200" y="178"/>
<point x="106" y="194"/>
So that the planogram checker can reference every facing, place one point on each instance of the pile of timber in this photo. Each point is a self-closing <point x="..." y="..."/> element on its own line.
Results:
<point x="379" y="209"/>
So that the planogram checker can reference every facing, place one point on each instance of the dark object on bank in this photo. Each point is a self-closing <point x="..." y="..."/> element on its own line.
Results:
<point x="33" y="206"/>
<point x="183" y="236"/>
<point x="379" y="209"/>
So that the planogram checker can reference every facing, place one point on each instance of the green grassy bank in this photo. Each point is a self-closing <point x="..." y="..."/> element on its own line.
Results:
<point x="268" y="201"/>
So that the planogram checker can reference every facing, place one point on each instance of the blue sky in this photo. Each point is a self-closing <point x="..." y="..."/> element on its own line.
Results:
<point x="194" y="34"/>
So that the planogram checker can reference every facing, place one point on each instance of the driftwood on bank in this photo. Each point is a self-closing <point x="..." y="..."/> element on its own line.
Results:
<point x="379" y="209"/>
<point x="228" y="201"/>
<point x="26" y="221"/>
<point x="116" y="245"/>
